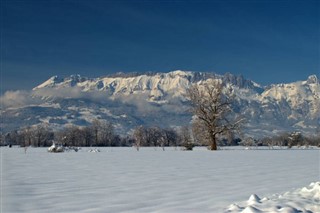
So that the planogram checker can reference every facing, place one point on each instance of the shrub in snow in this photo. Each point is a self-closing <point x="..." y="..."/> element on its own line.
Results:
<point x="188" y="146"/>
<point x="72" y="148"/>
<point x="94" y="150"/>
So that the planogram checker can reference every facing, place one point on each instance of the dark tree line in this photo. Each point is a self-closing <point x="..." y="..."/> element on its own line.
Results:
<point x="99" y="133"/>
<point x="283" y="140"/>
<point x="155" y="136"/>
<point x="291" y="139"/>
<point x="36" y="136"/>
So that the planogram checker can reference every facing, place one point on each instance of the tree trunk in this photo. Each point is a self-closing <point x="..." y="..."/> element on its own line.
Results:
<point x="213" y="142"/>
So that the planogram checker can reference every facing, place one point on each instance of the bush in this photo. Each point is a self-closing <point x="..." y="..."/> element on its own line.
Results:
<point x="188" y="146"/>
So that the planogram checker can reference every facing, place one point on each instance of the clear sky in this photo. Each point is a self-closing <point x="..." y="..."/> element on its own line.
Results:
<point x="266" y="41"/>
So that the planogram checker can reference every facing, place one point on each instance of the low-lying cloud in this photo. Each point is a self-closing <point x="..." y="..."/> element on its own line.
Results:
<point x="22" y="98"/>
<point x="73" y="92"/>
<point x="17" y="98"/>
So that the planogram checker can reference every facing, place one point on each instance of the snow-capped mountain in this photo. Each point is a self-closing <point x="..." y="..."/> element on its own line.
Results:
<point x="128" y="100"/>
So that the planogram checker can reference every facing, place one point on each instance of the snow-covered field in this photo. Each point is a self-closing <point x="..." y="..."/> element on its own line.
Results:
<point x="152" y="180"/>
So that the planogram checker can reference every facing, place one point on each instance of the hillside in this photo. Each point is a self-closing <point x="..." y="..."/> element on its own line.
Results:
<point x="128" y="100"/>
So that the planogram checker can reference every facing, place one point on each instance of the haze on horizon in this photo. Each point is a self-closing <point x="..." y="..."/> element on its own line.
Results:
<point x="265" y="41"/>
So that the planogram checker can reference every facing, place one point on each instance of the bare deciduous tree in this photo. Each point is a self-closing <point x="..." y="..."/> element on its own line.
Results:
<point x="185" y="138"/>
<point x="295" y="139"/>
<point x="211" y="105"/>
<point x="169" y="137"/>
<point x="154" y="136"/>
<point x="95" y="127"/>
<point x="249" y="141"/>
<point x="41" y="135"/>
<point x="88" y="136"/>
<point x="26" y="138"/>
<point x="106" y="135"/>
<point x="138" y="136"/>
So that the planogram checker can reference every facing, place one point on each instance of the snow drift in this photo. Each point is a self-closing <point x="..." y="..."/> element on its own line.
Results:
<point x="303" y="200"/>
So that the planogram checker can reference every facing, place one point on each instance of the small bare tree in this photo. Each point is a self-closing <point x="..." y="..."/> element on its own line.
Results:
<point x="211" y="105"/>
<point x="138" y="136"/>
<point x="26" y="136"/>
<point x="106" y="133"/>
<point x="185" y="138"/>
<point x="295" y="139"/>
<point x="88" y="136"/>
<point x="41" y="135"/>
<point x="249" y="141"/>
<point x="2" y="139"/>
<point x="95" y="128"/>
<point x="199" y="133"/>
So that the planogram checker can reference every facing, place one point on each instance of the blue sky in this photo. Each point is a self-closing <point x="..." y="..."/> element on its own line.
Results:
<point x="265" y="41"/>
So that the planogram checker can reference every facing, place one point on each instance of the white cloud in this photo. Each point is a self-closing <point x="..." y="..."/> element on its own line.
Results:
<point x="17" y="98"/>
<point x="73" y="92"/>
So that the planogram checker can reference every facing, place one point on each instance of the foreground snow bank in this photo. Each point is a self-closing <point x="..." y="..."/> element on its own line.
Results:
<point x="305" y="200"/>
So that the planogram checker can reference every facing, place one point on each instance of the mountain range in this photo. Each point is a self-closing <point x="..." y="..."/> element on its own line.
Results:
<point x="159" y="99"/>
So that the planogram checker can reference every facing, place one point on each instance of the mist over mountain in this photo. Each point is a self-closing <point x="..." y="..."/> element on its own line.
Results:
<point x="159" y="99"/>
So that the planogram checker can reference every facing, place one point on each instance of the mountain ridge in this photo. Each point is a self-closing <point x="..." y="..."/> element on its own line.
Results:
<point x="159" y="99"/>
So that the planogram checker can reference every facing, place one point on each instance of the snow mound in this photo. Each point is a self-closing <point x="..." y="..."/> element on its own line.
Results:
<point x="254" y="199"/>
<point x="55" y="149"/>
<point x="304" y="200"/>
<point x="251" y="209"/>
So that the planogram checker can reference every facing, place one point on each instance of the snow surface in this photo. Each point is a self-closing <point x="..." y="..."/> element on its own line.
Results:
<point x="152" y="180"/>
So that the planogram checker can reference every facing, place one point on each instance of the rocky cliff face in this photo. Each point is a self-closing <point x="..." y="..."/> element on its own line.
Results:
<point x="159" y="99"/>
